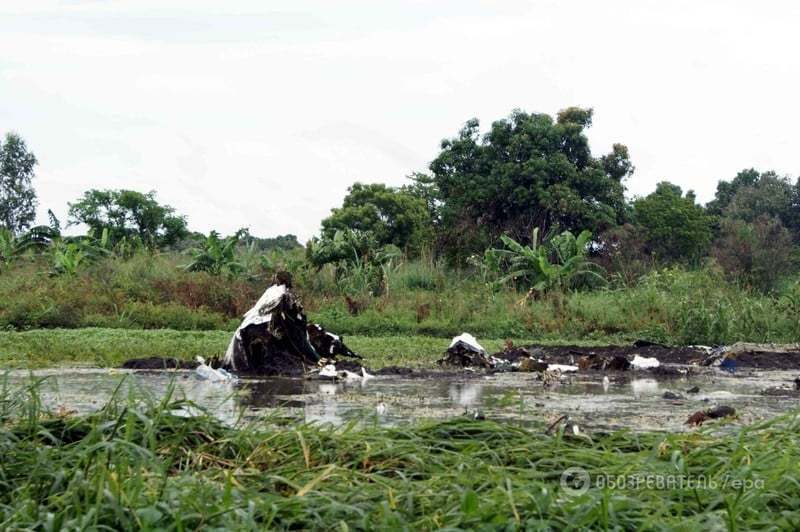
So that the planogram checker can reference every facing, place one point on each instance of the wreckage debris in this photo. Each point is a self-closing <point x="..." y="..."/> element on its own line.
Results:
<point x="328" y="371"/>
<point x="718" y="412"/>
<point x="640" y="362"/>
<point x="465" y="351"/>
<point x="207" y="373"/>
<point x="275" y="337"/>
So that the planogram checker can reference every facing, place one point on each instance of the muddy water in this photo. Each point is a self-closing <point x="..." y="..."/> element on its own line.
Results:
<point x="632" y="400"/>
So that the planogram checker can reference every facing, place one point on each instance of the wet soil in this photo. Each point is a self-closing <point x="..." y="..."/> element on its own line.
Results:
<point x="664" y="354"/>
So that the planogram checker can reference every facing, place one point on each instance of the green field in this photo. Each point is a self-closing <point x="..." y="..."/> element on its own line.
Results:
<point x="110" y="347"/>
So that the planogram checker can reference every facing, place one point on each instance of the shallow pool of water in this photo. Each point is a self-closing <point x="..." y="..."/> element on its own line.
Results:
<point x="632" y="400"/>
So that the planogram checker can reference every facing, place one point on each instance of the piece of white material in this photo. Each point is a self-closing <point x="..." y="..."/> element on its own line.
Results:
<point x="644" y="362"/>
<point x="563" y="368"/>
<point x="207" y="373"/>
<point x="328" y="371"/>
<point x="468" y="342"/>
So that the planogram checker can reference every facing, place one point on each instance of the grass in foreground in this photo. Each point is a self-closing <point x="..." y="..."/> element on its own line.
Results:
<point x="140" y="466"/>
<point x="110" y="347"/>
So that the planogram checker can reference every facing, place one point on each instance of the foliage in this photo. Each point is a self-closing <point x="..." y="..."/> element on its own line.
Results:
<point x="70" y="255"/>
<point x="14" y="246"/>
<point x="216" y="255"/>
<point x="558" y="264"/>
<point x="675" y="227"/>
<point x="621" y="252"/>
<point x="527" y="172"/>
<point x="128" y="214"/>
<point x="392" y="216"/>
<point x="17" y="196"/>
<point x="757" y="254"/>
<point x="137" y="464"/>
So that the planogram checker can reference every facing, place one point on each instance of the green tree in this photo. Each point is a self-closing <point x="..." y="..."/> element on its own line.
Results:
<point x="392" y="216"/>
<point x="757" y="254"/>
<point x="17" y="196"/>
<point x="527" y="172"/>
<point x="128" y="214"/>
<point x="675" y="227"/>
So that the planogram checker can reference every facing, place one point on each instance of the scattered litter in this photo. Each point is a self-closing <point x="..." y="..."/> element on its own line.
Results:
<point x="640" y="362"/>
<point x="381" y="408"/>
<point x="328" y="371"/>
<point x="563" y="368"/>
<point x="207" y="373"/>
<point x="532" y="364"/>
<point x="606" y="383"/>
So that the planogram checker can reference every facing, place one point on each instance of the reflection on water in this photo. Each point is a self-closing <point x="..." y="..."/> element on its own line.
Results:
<point x="629" y="400"/>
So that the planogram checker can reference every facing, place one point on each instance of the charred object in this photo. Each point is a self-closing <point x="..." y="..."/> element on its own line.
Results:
<point x="275" y="337"/>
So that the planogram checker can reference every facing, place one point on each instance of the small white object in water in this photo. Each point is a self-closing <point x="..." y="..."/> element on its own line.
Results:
<point x="563" y="368"/>
<point x="207" y="373"/>
<point x="644" y="362"/>
<point x="468" y="341"/>
<point x="381" y="408"/>
<point x="365" y="375"/>
<point x="606" y="383"/>
<point x="328" y="371"/>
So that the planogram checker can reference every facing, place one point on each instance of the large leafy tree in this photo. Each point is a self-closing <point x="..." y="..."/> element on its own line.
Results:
<point x="529" y="171"/>
<point x="675" y="227"/>
<point x="17" y="196"/>
<point x="128" y="214"/>
<point x="392" y="216"/>
<point x="752" y="195"/>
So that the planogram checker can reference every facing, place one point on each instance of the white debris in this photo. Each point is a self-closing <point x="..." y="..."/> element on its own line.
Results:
<point x="365" y="375"/>
<point x="381" y="408"/>
<point x="328" y="371"/>
<point x="468" y="342"/>
<point x="606" y="383"/>
<point x="644" y="362"/>
<point x="207" y="373"/>
<point x="563" y="368"/>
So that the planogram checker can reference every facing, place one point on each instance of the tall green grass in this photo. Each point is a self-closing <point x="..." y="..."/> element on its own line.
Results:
<point x="137" y="465"/>
<point x="420" y="298"/>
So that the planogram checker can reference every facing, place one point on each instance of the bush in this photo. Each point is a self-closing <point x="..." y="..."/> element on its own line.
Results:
<point x="757" y="254"/>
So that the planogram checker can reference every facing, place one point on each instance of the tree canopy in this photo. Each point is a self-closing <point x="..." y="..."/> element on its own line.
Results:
<point x="675" y="227"/>
<point x="529" y="171"/>
<point x="393" y="216"/>
<point x="17" y="196"/>
<point x="128" y="214"/>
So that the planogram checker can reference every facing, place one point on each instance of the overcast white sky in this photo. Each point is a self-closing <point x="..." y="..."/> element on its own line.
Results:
<point x="260" y="114"/>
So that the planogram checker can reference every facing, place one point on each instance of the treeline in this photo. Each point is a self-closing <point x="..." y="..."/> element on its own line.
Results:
<point x="523" y="212"/>
<point x="532" y="178"/>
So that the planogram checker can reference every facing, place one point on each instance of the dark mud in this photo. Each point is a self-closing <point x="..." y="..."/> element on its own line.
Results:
<point x="156" y="363"/>
<point x="666" y="355"/>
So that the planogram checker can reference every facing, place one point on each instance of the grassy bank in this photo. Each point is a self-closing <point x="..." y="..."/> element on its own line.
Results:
<point x="420" y="299"/>
<point x="130" y="467"/>
<point x="110" y="347"/>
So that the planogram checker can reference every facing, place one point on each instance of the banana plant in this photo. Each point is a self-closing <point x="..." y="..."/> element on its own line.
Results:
<point x="216" y="255"/>
<point x="560" y="263"/>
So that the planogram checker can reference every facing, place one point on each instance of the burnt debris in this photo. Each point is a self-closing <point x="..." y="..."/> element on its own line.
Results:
<point x="275" y="337"/>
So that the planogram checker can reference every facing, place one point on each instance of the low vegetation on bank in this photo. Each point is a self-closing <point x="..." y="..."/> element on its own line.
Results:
<point x="140" y="466"/>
